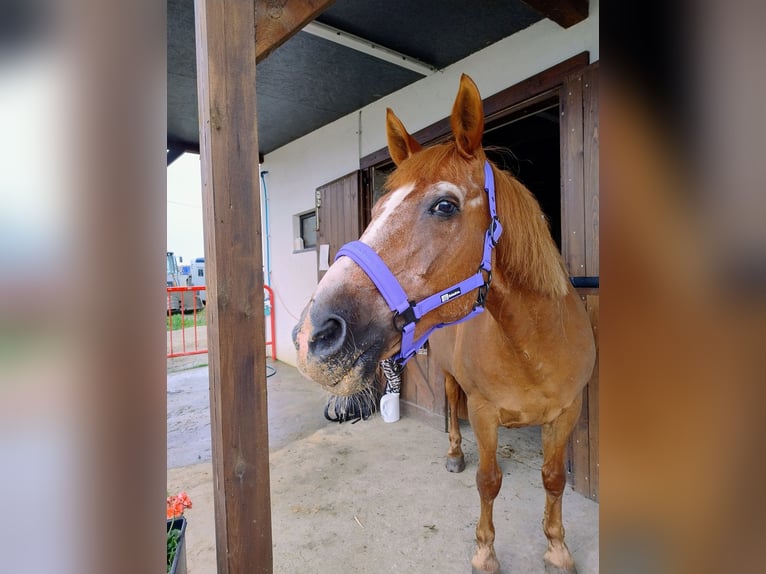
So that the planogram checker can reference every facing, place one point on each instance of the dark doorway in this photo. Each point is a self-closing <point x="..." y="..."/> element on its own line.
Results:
<point x="527" y="144"/>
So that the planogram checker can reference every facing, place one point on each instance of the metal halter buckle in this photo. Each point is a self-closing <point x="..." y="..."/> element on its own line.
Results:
<point x="408" y="316"/>
<point x="481" y="292"/>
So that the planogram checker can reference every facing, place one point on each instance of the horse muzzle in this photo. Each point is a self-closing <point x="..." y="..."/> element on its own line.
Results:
<point x="336" y="348"/>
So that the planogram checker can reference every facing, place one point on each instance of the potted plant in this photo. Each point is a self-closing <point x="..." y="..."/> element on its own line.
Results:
<point x="176" y="532"/>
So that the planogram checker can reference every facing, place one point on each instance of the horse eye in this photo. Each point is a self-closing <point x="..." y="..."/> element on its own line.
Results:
<point x="444" y="207"/>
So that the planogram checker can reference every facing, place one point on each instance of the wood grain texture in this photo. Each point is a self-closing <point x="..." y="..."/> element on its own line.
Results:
<point x="423" y="391"/>
<point x="572" y="192"/>
<point x="279" y="20"/>
<point x="591" y="168"/>
<point x="339" y="215"/>
<point x="580" y="247"/>
<point x="593" y="402"/>
<point x="226" y="54"/>
<point x="582" y="448"/>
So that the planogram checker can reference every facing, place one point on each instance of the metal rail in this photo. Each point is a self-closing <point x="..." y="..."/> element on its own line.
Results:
<point x="200" y="347"/>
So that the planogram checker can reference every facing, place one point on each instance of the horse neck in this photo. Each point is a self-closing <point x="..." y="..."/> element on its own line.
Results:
<point x="524" y="314"/>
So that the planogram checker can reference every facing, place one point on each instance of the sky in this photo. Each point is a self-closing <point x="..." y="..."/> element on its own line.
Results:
<point x="185" y="237"/>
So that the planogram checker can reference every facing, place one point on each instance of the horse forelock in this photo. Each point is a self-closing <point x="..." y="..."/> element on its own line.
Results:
<point x="440" y="162"/>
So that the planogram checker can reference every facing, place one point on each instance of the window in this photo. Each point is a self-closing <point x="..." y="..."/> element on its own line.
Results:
<point x="307" y="230"/>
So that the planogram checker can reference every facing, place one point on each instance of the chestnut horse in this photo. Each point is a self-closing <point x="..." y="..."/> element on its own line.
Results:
<point x="523" y="361"/>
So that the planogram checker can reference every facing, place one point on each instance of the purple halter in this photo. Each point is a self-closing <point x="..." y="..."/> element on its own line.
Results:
<point x="411" y="312"/>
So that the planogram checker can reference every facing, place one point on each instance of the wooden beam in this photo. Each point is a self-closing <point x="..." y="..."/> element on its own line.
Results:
<point x="565" y="13"/>
<point x="226" y="56"/>
<point x="279" y="20"/>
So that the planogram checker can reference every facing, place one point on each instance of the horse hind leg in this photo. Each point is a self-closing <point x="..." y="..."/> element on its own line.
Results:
<point x="455" y="457"/>
<point x="555" y="434"/>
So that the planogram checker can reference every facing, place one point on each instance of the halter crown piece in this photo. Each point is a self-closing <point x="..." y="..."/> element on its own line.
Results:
<point x="410" y="312"/>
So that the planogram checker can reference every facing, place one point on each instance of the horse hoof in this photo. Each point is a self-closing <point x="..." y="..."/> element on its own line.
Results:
<point x="554" y="569"/>
<point x="485" y="562"/>
<point x="475" y="570"/>
<point x="455" y="464"/>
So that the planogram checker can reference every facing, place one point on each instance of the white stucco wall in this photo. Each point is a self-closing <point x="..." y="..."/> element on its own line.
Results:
<point x="297" y="169"/>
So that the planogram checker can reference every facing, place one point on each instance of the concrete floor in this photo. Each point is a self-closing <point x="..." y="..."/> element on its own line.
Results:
<point x="369" y="497"/>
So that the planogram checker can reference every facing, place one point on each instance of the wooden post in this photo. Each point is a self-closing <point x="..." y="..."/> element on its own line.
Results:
<point x="580" y="231"/>
<point x="572" y="173"/>
<point x="226" y="57"/>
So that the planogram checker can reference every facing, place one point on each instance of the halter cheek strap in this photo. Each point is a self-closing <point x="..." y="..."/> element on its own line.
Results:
<point x="409" y="312"/>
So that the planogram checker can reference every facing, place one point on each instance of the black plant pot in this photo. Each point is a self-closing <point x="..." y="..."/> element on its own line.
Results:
<point x="179" y="561"/>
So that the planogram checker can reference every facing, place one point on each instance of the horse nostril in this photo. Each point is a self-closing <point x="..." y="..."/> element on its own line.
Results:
<point x="328" y="338"/>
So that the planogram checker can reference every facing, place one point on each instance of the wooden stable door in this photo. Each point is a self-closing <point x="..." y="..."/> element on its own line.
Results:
<point x="580" y="248"/>
<point x="422" y="393"/>
<point x="338" y="217"/>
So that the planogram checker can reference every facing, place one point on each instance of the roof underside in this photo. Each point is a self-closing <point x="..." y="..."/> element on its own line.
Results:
<point x="310" y="81"/>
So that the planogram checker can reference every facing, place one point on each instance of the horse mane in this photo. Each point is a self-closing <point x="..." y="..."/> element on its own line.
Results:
<point x="526" y="253"/>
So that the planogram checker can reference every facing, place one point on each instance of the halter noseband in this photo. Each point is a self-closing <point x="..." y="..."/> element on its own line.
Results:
<point x="409" y="312"/>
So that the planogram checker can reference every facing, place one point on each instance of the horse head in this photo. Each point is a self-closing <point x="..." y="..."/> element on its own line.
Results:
<point x="428" y="229"/>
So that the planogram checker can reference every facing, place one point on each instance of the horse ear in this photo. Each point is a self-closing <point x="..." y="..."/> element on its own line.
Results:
<point x="467" y="118"/>
<point x="401" y="145"/>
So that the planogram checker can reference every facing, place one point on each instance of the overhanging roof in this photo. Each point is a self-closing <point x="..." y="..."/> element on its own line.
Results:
<point x="354" y="53"/>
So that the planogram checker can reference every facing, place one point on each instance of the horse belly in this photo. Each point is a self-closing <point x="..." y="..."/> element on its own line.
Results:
<point x="511" y="418"/>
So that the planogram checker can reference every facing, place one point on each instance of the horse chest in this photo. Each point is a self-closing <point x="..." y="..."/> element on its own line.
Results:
<point x="521" y="389"/>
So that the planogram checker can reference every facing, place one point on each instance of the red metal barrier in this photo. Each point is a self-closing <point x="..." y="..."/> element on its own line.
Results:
<point x="183" y="299"/>
<point x="189" y="299"/>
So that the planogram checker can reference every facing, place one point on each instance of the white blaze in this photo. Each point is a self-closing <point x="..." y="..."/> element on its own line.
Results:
<point x="380" y="227"/>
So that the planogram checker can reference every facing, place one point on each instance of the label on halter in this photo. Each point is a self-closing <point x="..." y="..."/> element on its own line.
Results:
<point x="450" y="295"/>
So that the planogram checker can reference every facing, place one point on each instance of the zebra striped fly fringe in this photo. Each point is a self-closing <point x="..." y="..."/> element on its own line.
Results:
<point x="392" y="370"/>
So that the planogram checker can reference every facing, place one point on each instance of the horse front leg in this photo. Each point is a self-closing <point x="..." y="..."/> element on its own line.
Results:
<point x="555" y="434"/>
<point x="455" y="457"/>
<point x="488" y="481"/>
